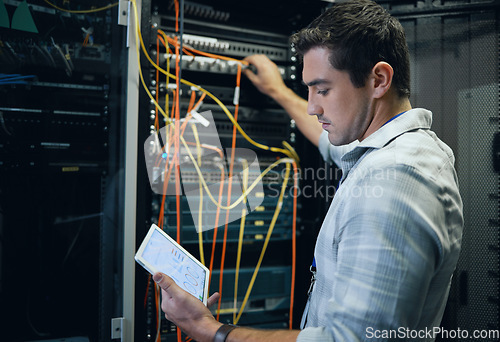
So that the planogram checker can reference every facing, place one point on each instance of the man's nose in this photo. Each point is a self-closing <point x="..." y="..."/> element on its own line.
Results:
<point x="313" y="108"/>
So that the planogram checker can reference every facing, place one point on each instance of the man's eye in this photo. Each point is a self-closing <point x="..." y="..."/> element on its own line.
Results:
<point x="322" y="92"/>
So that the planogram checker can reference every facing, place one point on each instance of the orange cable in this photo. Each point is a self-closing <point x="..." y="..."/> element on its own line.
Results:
<point x="157" y="319"/>
<point x="231" y="165"/>
<point x="176" y="139"/>
<point x="217" y="215"/>
<point x="200" y="100"/>
<point x="168" y="170"/>
<point x="86" y="40"/>
<point x="172" y="110"/>
<point x="167" y="78"/>
<point x="203" y="53"/>
<point x="191" y="101"/>
<point x="157" y="126"/>
<point x="207" y="54"/>
<point x="176" y="2"/>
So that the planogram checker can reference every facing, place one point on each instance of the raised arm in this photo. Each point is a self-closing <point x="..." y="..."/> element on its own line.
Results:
<point x="268" y="81"/>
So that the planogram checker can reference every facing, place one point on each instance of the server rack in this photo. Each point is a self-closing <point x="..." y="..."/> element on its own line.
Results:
<point x="226" y="29"/>
<point x="61" y="166"/>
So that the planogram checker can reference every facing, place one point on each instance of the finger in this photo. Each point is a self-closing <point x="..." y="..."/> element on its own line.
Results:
<point x="248" y="73"/>
<point x="213" y="299"/>
<point x="166" y="283"/>
<point x="250" y="58"/>
<point x="254" y="61"/>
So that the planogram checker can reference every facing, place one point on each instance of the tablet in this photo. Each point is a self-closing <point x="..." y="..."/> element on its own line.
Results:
<point x="160" y="253"/>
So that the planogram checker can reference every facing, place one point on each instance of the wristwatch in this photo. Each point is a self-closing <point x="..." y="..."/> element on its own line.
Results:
<point x="223" y="331"/>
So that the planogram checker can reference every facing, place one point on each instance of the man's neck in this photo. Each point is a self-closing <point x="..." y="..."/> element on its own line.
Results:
<point x="385" y="111"/>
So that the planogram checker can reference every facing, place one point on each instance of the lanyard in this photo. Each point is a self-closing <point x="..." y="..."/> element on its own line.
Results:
<point x="306" y="309"/>
<point x="313" y="278"/>
<point x="394" y="118"/>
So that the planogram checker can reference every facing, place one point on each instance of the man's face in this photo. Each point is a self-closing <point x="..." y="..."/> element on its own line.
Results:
<point x="344" y="111"/>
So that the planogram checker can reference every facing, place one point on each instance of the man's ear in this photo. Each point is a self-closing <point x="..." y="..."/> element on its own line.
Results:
<point x="382" y="74"/>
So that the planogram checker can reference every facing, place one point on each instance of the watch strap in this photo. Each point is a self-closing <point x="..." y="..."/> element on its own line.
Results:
<point x="223" y="331"/>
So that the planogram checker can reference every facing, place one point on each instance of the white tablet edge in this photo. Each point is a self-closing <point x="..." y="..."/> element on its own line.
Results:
<point x="144" y="263"/>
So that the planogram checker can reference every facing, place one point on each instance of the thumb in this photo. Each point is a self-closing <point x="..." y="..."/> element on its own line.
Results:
<point x="213" y="299"/>
<point x="165" y="282"/>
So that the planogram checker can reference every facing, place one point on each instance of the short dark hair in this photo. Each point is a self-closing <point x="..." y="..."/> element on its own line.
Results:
<point x="359" y="34"/>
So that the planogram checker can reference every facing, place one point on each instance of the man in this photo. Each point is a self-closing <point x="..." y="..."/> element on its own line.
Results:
<point x="390" y="241"/>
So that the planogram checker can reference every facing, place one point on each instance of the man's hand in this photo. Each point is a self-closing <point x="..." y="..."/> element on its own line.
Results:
<point x="268" y="78"/>
<point x="192" y="317"/>
<point x="185" y="311"/>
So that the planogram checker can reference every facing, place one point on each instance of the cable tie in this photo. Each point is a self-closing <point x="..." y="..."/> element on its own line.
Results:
<point x="156" y="144"/>
<point x="200" y="118"/>
<point x="236" y="99"/>
<point x="156" y="174"/>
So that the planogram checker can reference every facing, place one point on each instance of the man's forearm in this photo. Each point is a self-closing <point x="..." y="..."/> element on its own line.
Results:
<point x="256" y="335"/>
<point x="296" y="107"/>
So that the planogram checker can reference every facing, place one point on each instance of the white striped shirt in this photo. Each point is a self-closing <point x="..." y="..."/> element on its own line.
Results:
<point x="391" y="238"/>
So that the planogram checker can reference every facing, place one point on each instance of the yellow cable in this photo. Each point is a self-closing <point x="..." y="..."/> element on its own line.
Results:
<point x="266" y="242"/>
<point x="83" y="11"/>
<point x="224" y="108"/>
<point x="200" y="223"/>
<point x="198" y="146"/>
<point x="240" y="238"/>
<point x="288" y="152"/>
<point x="292" y="150"/>
<point x="245" y="193"/>
<point x="168" y="64"/>
<point x="138" y="38"/>
<point x="235" y="123"/>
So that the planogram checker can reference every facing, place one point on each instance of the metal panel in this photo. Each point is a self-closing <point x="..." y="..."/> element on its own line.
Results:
<point x="455" y="73"/>
<point x="131" y="141"/>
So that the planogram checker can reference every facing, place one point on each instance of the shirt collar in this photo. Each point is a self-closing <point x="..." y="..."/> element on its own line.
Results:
<point x="412" y="120"/>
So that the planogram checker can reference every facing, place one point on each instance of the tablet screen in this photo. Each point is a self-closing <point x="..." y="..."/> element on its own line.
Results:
<point x="162" y="254"/>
